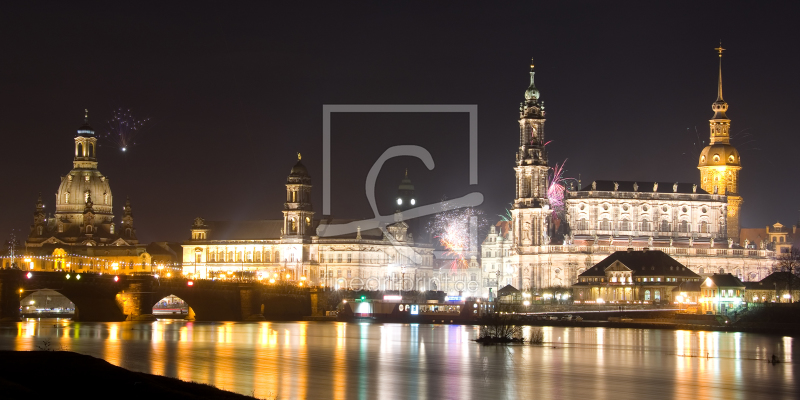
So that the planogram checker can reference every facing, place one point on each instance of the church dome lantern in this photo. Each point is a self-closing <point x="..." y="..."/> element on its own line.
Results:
<point x="85" y="129"/>
<point x="299" y="173"/>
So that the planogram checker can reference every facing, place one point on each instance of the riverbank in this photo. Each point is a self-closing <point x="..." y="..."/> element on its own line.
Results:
<point x="29" y="375"/>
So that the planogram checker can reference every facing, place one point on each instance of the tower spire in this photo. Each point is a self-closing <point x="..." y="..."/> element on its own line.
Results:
<point x="86" y="116"/>
<point x="719" y="88"/>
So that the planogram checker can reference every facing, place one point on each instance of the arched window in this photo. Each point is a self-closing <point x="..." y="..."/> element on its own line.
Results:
<point x="657" y="296"/>
<point x="703" y="227"/>
<point x="230" y="256"/>
<point x="88" y="229"/>
<point x="684" y="226"/>
<point x="722" y="270"/>
<point x="647" y="295"/>
<point x="604" y="225"/>
<point x="625" y="225"/>
<point x="664" y="226"/>
<point x="277" y="256"/>
<point x="645" y="225"/>
<point x="258" y="256"/>
<point x="582" y="225"/>
<point x="701" y="270"/>
<point x="39" y="230"/>
<point x="80" y="150"/>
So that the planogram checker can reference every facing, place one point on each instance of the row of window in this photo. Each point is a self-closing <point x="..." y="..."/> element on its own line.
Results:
<point x="722" y="293"/>
<point x="628" y="279"/>
<point x="256" y="256"/>
<point x="625" y="225"/>
<point x="496" y="253"/>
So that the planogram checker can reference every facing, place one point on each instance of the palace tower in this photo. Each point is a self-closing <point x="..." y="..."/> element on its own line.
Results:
<point x="720" y="162"/>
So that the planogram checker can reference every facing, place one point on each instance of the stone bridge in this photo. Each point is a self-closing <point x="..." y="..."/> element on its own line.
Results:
<point x="129" y="298"/>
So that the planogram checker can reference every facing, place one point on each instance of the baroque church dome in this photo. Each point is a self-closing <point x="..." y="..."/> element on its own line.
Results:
<point x="84" y="182"/>
<point x="78" y="186"/>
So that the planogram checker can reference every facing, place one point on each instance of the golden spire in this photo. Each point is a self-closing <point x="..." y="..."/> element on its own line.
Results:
<point x="299" y="156"/>
<point x="531" y="62"/>
<point x="86" y="115"/>
<point x="719" y="88"/>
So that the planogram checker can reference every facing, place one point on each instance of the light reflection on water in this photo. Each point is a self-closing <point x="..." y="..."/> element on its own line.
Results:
<point x="341" y="361"/>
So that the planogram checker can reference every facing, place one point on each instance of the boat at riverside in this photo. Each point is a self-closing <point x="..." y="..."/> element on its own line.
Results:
<point x="392" y="308"/>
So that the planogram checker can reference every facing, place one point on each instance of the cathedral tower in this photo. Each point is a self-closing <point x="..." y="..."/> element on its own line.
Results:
<point x="720" y="163"/>
<point x="530" y="203"/>
<point x="297" y="212"/>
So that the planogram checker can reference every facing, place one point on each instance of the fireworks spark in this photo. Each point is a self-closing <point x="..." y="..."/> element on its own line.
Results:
<point x="507" y="216"/>
<point x="557" y="184"/>
<point x="453" y="229"/>
<point x="124" y="128"/>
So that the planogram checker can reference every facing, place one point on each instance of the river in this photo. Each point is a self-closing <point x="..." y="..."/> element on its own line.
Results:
<point x="327" y="360"/>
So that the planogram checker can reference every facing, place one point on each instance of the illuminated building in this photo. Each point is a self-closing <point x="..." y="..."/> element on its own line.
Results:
<point x="721" y="293"/>
<point x="778" y="238"/>
<point x="780" y="287"/>
<point x="645" y="277"/>
<point x="291" y="250"/>
<point x="696" y="224"/>
<point x="81" y="235"/>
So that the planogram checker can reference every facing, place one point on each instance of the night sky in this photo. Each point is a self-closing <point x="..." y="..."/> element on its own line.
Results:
<point x="235" y="90"/>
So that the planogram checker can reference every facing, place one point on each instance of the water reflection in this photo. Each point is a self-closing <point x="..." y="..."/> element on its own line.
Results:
<point x="364" y="361"/>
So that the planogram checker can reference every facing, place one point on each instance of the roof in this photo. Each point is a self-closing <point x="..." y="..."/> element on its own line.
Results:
<point x="775" y="280"/>
<point x="691" y="286"/>
<point x="245" y="230"/>
<point x="753" y="235"/>
<point x="726" y="280"/>
<point x="650" y="262"/>
<point x="267" y="229"/>
<point x="627" y="186"/>
<point x="508" y="290"/>
<point x="503" y="227"/>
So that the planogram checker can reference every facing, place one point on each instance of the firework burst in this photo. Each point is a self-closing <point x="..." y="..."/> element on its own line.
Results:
<point x="454" y="230"/>
<point x="124" y="128"/>
<point x="556" y="188"/>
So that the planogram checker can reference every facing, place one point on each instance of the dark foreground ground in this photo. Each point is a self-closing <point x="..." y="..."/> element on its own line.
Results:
<point x="62" y="375"/>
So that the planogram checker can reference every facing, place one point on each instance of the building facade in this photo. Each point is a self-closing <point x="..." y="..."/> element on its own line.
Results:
<point x="295" y="250"/>
<point x="634" y="277"/>
<point x="546" y="244"/>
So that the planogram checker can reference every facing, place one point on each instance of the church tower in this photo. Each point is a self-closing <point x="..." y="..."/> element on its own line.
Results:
<point x="405" y="194"/>
<point x="297" y="212"/>
<point x="531" y="206"/>
<point x="720" y="163"/>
